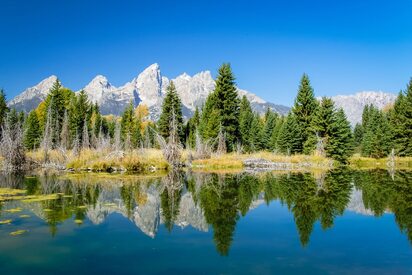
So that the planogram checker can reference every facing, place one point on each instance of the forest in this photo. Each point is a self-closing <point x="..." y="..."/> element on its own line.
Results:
<point x="66" y="127"/>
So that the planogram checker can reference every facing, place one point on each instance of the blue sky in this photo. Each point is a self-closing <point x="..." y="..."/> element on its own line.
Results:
<point x="344" y="46"/>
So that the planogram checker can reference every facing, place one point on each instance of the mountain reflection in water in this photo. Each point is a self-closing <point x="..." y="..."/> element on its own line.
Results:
<point x="214" y="202"/>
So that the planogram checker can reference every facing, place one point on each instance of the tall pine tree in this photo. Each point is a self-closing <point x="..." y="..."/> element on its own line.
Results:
<point x="222" y="108"/>
<point x="3" y="106"/>
<point x="245" y="124"/>
<point x="304" y="108"/>
<point x="171" y="104"/>
<point x="401" y="121"/>
<point x="32" y="133"/>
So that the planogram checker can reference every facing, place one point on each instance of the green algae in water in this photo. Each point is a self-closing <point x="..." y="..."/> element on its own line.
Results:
<point x="24" y="216"/>
<point x="78" y="221"/>
<point x="18" y="232"/>
<point x="40" y="198"/>
<point x="14" y="210"/>
<point x="6" y="221"/>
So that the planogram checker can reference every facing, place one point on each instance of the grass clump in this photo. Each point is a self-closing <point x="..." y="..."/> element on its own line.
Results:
<point x="235" y="161"/>
<point x="104" y="160"/>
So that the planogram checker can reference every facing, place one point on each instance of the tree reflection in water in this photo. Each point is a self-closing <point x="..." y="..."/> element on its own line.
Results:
<point x="222" y="199"/>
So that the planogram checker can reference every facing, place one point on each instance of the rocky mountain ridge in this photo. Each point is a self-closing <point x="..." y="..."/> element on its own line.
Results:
<point x="149" y="88"/>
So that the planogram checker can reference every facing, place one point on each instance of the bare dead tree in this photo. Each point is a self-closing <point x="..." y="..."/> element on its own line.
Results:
<point x="172" y="149"/>
<point x="239" y="148"/>
<point x="94" y="140"/>
<point x="128" y="142"/>
<point x="47" y="141"/>
<point x="147" y="143"/>
<point x="12" y="148"/>
<point x="76" y="144"/>
<point x="117" y="144"/>
<point x="65" y="133"/>
<point x="56" y="134"/>
<point x="85" y="136"/>
<point x="320" y="146"/>
<point x="103" y="141"/>
<point x="202" y="149"/>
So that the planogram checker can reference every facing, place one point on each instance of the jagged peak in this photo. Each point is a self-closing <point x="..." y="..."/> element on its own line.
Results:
<point x="45" y="83"/>
<point x="184" y="76"/>
<point x="100" y="78"/>
<point x="152" y="68"/>
<point x="50" y="78"/>
<point x="363" y="94"/>
<point x="203" y="74"/>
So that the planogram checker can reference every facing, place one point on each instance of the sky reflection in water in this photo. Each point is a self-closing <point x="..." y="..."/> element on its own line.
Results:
<point x="338" y="222"/>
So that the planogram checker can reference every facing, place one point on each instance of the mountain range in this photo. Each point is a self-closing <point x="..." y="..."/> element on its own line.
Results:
<point x="149" y="88"/>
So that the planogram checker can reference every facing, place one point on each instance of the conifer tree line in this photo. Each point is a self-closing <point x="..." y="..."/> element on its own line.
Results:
<point x="224" y="123"/>
<point x="382" y="131"/>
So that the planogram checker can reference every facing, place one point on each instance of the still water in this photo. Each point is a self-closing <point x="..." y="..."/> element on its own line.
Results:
<point x="339" y="222"/>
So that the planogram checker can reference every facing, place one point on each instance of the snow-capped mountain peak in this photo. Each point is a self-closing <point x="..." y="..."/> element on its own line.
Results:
<point x="31" y="97"/>
<point x="149" y="88"/>
<point x="353" y="104"/>
<point x="98" y="88"/>
<point x="184" y="76"/>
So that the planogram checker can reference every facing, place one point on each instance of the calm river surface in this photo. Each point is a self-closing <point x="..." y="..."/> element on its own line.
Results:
<point x="339" y="222"/>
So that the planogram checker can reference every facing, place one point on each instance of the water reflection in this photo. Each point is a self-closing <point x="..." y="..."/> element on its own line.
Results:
<point x="211" y="201"/>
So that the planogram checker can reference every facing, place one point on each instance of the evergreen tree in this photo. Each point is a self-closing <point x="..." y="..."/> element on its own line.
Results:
<point x="128" y="126"/>
<point x="357" y="136"/>
<point x="320" y="129"/>
<point x="32" y="133"/>
<point x="245" y="123"/>
<point x="191" y="128"/>
<point x="330" y="132"/>
<point x="275" y="133"/>
<point x="290" y="136"/>
<point x="80" y="113"/>
<point x="222" y="107"/>
<point x="12" y="118"/>
<point x="171" y="104"/>
<point x="339" y="145"/>
<point x="401" y="121"/>
<point x="210" y="119"/>
<point x="3" y="106"/>
<point x="304" y="109"/>
<point x="377" y="136"/>
<point x="257" y="133"/>
<point x="228" y="104"/>
<point x="270" y="124"/>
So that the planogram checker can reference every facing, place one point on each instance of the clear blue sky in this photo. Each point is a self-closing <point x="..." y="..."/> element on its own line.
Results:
<point x="344" y="46"/>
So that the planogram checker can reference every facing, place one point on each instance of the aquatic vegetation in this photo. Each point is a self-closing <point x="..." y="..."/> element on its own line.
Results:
<point x="18" y="232"/>
<point x="39" y="198"/>
<point x="11" y="194"/>
<point x="24" y="216"/>
<point x="77" y="221"/>
<point x="6" y="221"/>
<point x="14" y="210"/>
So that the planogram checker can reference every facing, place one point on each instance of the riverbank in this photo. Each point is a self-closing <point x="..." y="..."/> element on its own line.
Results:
<point x="358" y="162"/>
<point x="150" y="160"/>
